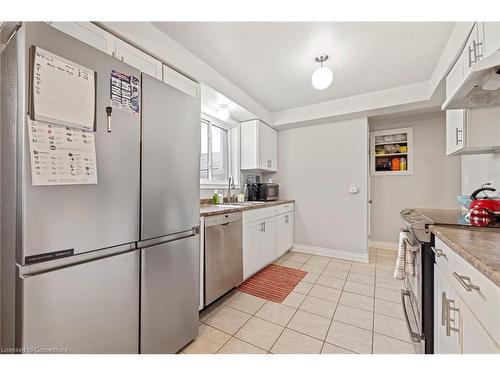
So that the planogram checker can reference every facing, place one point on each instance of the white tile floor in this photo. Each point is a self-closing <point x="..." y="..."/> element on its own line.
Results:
<point x="339" y="307"/>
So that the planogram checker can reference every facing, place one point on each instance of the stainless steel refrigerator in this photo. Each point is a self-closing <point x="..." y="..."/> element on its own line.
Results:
<point x="130" y="284"/>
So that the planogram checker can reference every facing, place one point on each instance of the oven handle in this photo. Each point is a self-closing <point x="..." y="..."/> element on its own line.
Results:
<point x="408" y="231"/>
<point x="414" y="336"/>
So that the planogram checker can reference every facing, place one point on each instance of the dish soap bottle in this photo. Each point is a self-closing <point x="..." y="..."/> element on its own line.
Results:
<point x="215" y="197"/>
<point x="402" y="164"/>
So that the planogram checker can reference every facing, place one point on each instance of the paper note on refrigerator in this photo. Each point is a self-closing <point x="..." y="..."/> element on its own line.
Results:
<point x="61" y="155"/>
<point x="63" y="92"/>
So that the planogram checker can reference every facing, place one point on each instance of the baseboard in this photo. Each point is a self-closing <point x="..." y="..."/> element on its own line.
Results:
<point x="342" y="254"/>
<point x="384" y="245"/>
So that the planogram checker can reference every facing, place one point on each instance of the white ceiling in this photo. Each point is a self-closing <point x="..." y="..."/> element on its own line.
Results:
<point x="211" y="100"/>
<point x="272" y="62"/>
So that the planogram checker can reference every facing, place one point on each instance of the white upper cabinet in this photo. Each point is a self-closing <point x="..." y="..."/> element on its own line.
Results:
<point x="483" y="40"/>
<point x="181" y="82"/>
<point x="259" y="146"/>
<point x="98" y="38"/>
<point x="473" y="131"/>
<point x="138" y="59"/>
<point x="456" y="75"/>
<point x="455" y="123"/>
<point x="88" y="33"/>
<point x="491" y="36"/>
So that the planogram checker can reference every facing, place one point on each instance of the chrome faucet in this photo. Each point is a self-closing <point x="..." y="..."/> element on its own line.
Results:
<point x="230" y="182"/>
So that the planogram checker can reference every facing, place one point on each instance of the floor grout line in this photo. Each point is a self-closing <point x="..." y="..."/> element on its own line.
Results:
<point x="337" y="303"/>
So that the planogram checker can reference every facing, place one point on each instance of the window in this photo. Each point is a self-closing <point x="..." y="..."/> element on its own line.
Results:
<point x="214" y="162"/>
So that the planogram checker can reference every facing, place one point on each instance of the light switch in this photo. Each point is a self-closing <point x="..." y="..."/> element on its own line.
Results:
<point x="353" y="189"/>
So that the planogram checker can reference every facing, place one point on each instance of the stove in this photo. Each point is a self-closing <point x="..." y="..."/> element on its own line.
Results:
<point x="417" y="295"/>
<point x="417" y="223"/>
<point x="419" y="219"/>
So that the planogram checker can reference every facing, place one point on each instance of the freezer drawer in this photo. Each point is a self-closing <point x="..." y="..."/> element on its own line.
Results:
<point x="170" y="191"/>
<point x="169" y="295"/>
<point x="87" y="308"/>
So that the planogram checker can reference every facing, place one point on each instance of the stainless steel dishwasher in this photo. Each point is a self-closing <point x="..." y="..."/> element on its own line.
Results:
<point x="223" y="254"/>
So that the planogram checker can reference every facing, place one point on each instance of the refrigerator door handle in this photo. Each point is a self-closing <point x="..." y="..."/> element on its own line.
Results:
<point x="165" y="239"/>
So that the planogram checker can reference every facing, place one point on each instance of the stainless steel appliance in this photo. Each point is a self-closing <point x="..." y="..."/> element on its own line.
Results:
<point x="263" y="191"/>
<point x="223" y="255"/>
<point x="417" y="296"/>
<point x="114" y="235"/>
<point x="170" y="196"/>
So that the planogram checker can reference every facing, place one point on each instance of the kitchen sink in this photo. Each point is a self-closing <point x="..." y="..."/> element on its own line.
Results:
<point x="232" y="205"/>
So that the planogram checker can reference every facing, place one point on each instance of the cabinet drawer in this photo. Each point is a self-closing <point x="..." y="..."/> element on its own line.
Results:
<point x="284" y="208"/>
<point x="258" y="214"/>
<point x="483" y="302"/>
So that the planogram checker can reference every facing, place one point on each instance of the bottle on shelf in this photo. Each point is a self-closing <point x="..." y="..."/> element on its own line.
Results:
<point x="402" y="164"/>
<point x="395" y="164"/>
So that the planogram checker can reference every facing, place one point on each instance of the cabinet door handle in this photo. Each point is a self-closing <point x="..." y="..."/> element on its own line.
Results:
<point x="449" y="320"/>
<point x="471" y="50"/>
<point x="444" y="309"/>
<point x="438" y="252"/>
<point x="465" y="282"/>
<point x="477" y="55"/>
<point x="457" y="130"/>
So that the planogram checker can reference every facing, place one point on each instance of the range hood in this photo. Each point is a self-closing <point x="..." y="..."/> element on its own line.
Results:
<point x="481" y="87"/>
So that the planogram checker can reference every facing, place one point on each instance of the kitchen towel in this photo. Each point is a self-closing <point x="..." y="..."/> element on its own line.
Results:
<point x="405" y="261"/>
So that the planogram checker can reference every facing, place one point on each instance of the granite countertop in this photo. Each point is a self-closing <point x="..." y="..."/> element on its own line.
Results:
<point x="210" y="210"/>
<point x="480" y="247"/>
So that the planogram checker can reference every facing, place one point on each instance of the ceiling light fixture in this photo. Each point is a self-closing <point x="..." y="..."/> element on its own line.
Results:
<point x="223" y="112"/>
<point x="322" y="77"/>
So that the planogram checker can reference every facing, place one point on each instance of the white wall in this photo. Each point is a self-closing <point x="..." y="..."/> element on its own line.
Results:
<point x="316" y="166"/>
<point x="479" y="169"/>
<point x="435" y="182"/>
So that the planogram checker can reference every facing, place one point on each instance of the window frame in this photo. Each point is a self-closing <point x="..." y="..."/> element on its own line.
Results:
<point x="230" y="147"/>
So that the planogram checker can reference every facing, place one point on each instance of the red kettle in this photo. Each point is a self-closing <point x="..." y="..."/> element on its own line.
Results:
<point x="484" y="210"/>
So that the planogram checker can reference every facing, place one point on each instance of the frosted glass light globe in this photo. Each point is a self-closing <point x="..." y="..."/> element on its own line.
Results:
<point x="322" y="78"/>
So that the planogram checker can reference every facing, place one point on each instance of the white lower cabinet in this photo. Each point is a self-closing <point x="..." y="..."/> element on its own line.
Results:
<point x="465" y="318"/>
<point x="447" y="320"/>
<point x="284" y="233"/>
<point x="267" y="234"/>
<point x="259" y="245"/>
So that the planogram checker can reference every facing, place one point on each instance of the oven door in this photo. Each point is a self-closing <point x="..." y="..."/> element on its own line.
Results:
<point x="411" y="296"/>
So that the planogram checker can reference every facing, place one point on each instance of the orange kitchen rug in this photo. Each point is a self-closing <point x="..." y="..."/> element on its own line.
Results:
<point x="273" y="283"/>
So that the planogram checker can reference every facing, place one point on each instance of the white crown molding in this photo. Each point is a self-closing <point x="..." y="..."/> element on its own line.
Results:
<point x="420" y="95"/>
